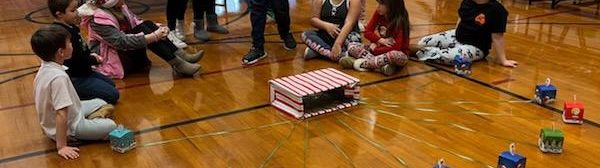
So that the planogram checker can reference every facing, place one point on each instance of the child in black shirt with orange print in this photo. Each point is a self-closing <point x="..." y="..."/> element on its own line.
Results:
<point x="481" y="24"/>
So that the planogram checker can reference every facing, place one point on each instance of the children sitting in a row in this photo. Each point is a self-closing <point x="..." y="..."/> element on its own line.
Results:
<point x="481" y="22"/>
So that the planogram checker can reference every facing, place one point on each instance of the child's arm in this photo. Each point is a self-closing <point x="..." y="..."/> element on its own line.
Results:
<point x="316" y="22"/>
<point x="457" y="22"/>
<point x="122" y="41"/>
<point x="65" y="151"/>
<point x="498" y="40"/>
<point x="370" y="33"/>
<point x="350" y="22"/>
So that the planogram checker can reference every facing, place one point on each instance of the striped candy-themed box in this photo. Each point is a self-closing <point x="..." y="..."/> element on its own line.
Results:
<point x="313" y="93"/>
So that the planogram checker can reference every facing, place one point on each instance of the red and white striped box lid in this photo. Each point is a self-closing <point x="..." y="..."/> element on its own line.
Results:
<point x="315" y="81"/>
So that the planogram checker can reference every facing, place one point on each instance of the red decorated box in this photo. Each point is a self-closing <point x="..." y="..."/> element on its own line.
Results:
<point x="573" y="112"/>
<point x="314" y="93"/>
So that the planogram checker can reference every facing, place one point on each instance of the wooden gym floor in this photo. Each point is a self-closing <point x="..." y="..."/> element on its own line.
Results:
<point x="425" y="112"/>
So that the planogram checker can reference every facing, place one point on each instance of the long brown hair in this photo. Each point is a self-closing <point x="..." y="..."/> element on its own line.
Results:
<point x="398" y="17"/>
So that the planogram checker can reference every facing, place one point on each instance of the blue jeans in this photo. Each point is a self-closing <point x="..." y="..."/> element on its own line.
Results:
<point x="96" y="86"/>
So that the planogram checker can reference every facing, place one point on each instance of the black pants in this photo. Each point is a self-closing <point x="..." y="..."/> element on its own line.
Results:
<point x="136" y="59"/>
<point x="258" y="18"/>
<point x="176" y="10"/>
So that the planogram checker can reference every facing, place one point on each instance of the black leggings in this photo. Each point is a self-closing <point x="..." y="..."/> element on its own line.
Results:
<point x="176" y="10"/>
<point x="136" y="59"/>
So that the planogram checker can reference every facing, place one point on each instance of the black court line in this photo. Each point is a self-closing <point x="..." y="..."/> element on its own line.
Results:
<point x="491" y="86"/>
<point x="17" y="70"/>
<point x="17" y="77"/>
<point x="194" y="120"/>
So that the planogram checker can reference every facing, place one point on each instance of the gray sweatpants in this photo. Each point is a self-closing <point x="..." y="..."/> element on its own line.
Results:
<point x="96" y="129"/>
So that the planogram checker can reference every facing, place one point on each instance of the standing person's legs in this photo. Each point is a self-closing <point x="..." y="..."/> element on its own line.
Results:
<point x="175" y="11"/>
<point x="258" y="9"/>
<point x="281" y="9"/>
<point x="258" y="20"/>
<point x="175" y="21"/>
<point x="212" y="23"/>
<point x="200" y="8"/>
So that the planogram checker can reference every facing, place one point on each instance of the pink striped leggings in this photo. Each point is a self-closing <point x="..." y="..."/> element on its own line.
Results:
<point x="358" y="50"/>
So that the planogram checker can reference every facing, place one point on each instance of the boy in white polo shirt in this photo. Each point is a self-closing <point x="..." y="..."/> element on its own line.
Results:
<point x="61" y="113"/>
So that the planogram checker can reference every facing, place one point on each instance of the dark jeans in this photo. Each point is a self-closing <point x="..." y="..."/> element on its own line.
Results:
<point x="136" y="59"/>
<point x="258" y="18"/>
<point x="96" y="85"/>
<point x="176" y="10"/>
<point x="202" y="7"/>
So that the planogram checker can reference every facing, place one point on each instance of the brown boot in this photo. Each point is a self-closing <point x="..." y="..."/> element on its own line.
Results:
<point x="191" y="58"/>
<point x="185" y="68"/>
<point x="105" y="111"/>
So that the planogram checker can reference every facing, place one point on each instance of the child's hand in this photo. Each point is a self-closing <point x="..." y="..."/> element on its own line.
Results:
<point x="69" y="152"/>
<point x="333" y="30"/>
<point x="386" y="41"/>
<point x="161" y="33"/>
<point x="336" y="51"/>
<point x="98" y="58"/>
<point x="509" y="63"/>
<point x="372" y="46"/>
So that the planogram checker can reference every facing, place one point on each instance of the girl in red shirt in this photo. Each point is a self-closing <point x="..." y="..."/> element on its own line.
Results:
<point x="388" y="31"/>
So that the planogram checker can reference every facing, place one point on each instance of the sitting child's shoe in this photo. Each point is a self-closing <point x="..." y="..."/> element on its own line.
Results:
<point x="176" y="41"/>
<point x="309" y="53"/>
<point x="105" y="111"/>
<point x="185" y="68"/>
<point x="388" y="69"/>
<point x="357" y="64"/>
<point x="191" y="58"/>
<point x="347" y="62"/>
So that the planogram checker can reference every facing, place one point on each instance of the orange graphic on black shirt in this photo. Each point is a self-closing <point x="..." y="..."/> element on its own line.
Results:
<point x="480" y="19"/>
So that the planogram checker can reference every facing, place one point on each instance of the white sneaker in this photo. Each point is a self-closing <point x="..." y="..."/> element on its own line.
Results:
<point x="179" y="30"/>
<point x="178" y="43"/>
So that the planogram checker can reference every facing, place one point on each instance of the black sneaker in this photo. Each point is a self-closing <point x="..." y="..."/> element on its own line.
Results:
<point x="253" y="56"/>
<point x="289" y="43"/>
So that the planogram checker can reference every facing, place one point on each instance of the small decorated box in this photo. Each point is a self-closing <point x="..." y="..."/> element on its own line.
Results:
<point x="573" y="112"/>
<point x="121" y="139"/>
<point x="551" y="140"/>
<point x="545" y="93"/>
<point x="509" y="159"/>
<point x="462" y="66"/>
<point x="441" y="164"/>
<point x="314" y="93"/>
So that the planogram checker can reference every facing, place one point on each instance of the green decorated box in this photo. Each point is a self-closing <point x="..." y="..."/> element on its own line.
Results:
<point x="551" y="140"/>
